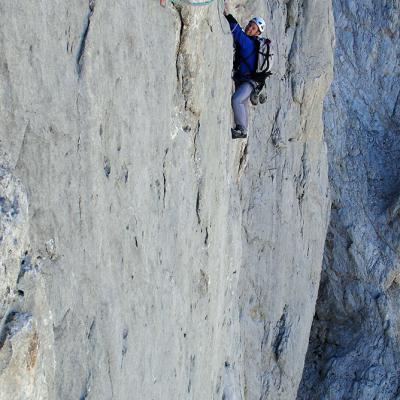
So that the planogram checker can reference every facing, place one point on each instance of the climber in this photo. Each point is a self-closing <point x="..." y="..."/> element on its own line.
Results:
<point x="246" y="60"/>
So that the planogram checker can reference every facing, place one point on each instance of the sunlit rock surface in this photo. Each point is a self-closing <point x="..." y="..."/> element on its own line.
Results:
<point x="146" y="255"/>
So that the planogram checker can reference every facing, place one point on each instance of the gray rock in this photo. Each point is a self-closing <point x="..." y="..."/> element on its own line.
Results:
<point x="354" y="345"/>
<point x="162" y="260"/>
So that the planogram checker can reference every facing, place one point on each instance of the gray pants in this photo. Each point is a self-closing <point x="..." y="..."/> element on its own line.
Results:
<point x="240" y="104"/>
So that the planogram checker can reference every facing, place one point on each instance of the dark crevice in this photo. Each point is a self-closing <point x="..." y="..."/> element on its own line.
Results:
<point x="198" y="207"/>
<point x="396" y="103"/>
<point x="25" y="266"/>
<point x="86" y="390"/>
<point x="80" y="211"/>
<point x="109" y="376"/>
<point x="58" y="329"/>
<point x="195" y="137"/>
<point x="125" y="333"/>
<point x="13" y="323"/>
<point x="107" y="167"/>
<point x="91" y="329"/>
<point x="126" y="176"/>
<point x="281" y="334"/>
<point x="178" y="50"/>
<point x="165" y="187"/>
<point x="82" y="44"/>
<point x="164" y="177"/>
<point x="191" y="370"/>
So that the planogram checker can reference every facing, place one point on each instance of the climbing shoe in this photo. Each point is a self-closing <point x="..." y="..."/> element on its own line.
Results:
<point x="262" y="98"/>
<point x="238" y="132"/>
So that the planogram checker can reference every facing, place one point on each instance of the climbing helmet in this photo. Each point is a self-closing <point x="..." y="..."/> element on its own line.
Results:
<point x="259" y="22"/>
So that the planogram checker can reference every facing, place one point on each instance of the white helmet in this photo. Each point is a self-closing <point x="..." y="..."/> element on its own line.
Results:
<point x="259" y="22"/>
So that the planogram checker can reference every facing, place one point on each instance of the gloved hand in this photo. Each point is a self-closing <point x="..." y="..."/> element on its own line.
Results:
<point x="254" y="97"/>
<point x="258" y="96"/>
<point x="226" y="8"/>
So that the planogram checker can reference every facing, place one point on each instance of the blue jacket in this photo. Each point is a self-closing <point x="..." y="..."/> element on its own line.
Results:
<point x="246" y="50"/>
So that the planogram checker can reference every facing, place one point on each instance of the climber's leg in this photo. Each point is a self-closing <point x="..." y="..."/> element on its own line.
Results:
<point x="240" y="100"/>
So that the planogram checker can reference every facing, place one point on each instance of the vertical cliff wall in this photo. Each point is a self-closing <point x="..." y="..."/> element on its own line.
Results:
<point x="354" y="346"/>
<point x="146" y="255"/>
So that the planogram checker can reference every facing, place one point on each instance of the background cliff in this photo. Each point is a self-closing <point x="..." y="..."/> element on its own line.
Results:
<point x="144" y="254"/>
<point x="354" y="345"/>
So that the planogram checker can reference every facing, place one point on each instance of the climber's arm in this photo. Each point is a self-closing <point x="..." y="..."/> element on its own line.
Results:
<point x="239" y="37"/>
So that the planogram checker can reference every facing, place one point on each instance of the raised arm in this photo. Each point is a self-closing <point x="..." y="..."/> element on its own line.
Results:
<point x="239" y="37"/>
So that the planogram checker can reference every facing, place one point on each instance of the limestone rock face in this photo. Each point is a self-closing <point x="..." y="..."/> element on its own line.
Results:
<point x="354" y="345"/>
<point x="146" y="255"/>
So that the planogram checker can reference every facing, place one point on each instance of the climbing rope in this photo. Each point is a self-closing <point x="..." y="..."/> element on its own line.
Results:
<point x="193" y="3"/>
<point x="203" y="3"/>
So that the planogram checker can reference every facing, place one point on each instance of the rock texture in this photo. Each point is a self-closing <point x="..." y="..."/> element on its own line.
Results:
<point x="354" y="346"/>
<point x="146" y="255"/>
